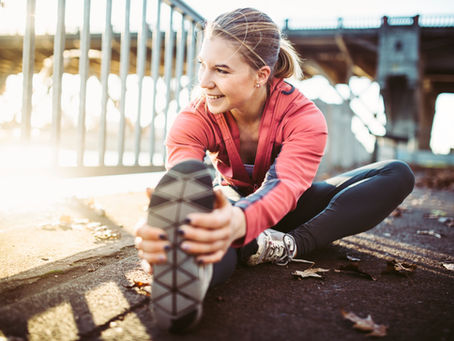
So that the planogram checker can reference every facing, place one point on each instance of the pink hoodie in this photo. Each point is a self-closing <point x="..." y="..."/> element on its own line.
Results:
<point x="291" y="143"/>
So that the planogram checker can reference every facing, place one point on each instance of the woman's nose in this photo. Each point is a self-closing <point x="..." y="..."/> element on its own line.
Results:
<point x="205" y="79"/>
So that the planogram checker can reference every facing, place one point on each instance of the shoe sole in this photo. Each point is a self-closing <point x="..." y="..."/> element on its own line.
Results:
<point x="176" y="297"/>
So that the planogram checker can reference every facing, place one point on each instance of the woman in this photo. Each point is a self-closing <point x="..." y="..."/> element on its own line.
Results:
<point x="266" y="141"/>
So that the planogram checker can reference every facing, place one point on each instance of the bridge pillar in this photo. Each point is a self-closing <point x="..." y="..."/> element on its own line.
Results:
<point x="426" y="119"/>
<point x="399" y="76"/>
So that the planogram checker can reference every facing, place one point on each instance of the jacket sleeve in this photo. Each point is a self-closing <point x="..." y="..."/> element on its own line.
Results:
<point x="292" y="172"/>
<point x="188" y="138"/>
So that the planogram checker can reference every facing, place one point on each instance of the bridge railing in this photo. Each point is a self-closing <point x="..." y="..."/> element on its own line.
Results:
<point x="156" y="96"/>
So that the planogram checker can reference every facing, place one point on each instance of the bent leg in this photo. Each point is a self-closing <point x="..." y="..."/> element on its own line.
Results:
<point x="347" y="204"/>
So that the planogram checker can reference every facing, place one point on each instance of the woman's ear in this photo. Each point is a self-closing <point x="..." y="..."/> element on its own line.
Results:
<point x="263" y="74"/>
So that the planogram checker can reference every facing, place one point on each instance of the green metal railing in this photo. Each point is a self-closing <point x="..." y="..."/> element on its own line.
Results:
<point x="180" y="45"/>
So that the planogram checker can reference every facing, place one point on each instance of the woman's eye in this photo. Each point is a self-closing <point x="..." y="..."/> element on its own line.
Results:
<point x="221" y="71"/>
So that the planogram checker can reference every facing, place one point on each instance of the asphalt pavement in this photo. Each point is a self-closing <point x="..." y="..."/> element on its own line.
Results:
<point x="70" y="271"/>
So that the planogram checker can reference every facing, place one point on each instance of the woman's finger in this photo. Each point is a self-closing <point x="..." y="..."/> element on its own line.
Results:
<point x="203" y="235"/>
<point x="153" y="246"/>
<point x="219" y="217"/>
<point x="153" y="258"/>
<point x="203" y="248"/>
<point x="151" y="233"/>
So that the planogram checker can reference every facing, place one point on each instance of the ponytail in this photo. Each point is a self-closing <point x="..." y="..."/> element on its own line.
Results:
<point x="289" y="62"/>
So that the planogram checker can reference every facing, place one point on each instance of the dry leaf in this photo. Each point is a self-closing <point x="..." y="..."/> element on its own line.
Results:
<point x="397" y="268"/>
<point x="435" y="214"/>
<point x="142" y="286"/>
<point x="353" y="269"/>
<point x="429" y="233"/>
<point x="365" y="324"/>
<point x="449" y="266"/>
<point x="397" y="212"/>
<point x="105" y="233"/>
<point x="312" y="272"/>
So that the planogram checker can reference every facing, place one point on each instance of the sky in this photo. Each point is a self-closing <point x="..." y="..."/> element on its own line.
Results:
<point x="298" y="10"/>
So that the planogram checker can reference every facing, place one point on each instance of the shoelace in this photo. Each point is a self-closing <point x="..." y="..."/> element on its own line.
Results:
<point x="278" y="251"/>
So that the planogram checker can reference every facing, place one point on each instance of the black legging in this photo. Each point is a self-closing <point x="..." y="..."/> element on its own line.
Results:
<point x="341" y="206"/>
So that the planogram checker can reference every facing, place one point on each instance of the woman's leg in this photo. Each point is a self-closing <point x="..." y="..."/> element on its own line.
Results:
<point x="223" y="269"/>
<point x="347" y="204"/>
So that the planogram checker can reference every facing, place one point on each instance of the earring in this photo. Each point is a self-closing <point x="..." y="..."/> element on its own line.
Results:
<point x="257" y="85"/>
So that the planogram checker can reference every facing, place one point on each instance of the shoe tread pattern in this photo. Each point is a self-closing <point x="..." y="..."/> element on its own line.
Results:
<point x="183" y="190"/>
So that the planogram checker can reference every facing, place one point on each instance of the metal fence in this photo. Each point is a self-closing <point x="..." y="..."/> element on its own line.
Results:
<point x="172" y="44"/>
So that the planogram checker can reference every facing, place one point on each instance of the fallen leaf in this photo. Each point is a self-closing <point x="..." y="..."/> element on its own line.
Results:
<point x="353" y="269"/>
<point x="435" y="214"/>
<point x="139" y="285"/>
<point x="416" y="202"/>
<point x="311" y="272"/>
<point x="365" y="324"/>
<point x="449" y="266"/>
<point x="397" y="268"/>
<point x="105" y="233"/>
<point x="429" y="233"/>
<point x="397" y="212"/>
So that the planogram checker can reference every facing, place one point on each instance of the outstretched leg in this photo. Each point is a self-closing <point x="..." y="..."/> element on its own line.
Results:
<point x="347" y="204"/>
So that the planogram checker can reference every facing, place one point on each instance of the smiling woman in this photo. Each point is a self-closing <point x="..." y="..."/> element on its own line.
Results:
<point x="266" y="141"/>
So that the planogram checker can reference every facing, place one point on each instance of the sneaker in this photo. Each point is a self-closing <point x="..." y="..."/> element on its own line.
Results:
<point x="179" y="286"/>
<point x="270" y="246"/>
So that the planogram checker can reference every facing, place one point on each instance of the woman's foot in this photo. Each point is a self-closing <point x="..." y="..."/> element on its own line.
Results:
<point x="270" y="246"/>
<point x="179" y="286"/>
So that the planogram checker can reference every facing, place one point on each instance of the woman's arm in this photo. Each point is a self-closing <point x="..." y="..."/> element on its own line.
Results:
<point x="207" y="234"/>
<point x="304" y="138"/>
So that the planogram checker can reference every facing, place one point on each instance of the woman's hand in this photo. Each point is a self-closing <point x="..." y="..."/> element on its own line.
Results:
<point x="209" y="235"/>
<point x="151" y="242"/>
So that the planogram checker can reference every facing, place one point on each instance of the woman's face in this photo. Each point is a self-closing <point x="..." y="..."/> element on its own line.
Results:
<point x="228" y="82"/>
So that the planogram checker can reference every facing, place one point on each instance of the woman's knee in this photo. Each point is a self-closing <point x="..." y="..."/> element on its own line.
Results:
<point x="403" y="175"/>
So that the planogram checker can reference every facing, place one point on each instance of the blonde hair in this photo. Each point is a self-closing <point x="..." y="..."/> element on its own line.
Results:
<point x="259" y="41"/>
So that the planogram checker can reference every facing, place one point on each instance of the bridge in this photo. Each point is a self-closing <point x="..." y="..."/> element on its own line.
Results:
<point x="412" y="59"/>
